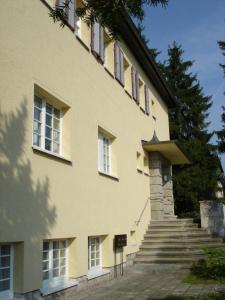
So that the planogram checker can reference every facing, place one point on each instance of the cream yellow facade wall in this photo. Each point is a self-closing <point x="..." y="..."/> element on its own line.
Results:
<point x="43" y="197"/>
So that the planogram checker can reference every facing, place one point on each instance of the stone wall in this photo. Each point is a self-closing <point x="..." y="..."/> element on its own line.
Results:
<point x="212" y="217"/>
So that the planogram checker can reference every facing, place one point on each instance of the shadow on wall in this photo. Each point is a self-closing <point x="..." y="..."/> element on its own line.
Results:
<point x="25" y="213"/>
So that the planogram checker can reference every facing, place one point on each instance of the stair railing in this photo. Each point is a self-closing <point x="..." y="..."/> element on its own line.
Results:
<point x="143" y="210"/>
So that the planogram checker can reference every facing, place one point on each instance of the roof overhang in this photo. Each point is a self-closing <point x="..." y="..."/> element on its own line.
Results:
<point x="171" y="150"/>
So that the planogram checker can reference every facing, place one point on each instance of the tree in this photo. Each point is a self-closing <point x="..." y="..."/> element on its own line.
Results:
<point x="188" y="124"/>
<point x="107" y="12"/>
<point x="221" y="133"/>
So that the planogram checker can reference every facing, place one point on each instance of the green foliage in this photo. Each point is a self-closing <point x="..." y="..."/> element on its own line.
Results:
<point x="107" y="12"/>
<point x="188" y="125"/>
<point x="212" y="266"/>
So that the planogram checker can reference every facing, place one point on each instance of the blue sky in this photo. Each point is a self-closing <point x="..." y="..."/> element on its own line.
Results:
<point x="197" y="25"/>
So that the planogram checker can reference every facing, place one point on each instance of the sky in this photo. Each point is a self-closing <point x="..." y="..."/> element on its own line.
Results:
<point x="197" y="25"/>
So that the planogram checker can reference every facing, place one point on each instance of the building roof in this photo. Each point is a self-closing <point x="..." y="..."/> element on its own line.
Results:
<point x="132" y="38"/>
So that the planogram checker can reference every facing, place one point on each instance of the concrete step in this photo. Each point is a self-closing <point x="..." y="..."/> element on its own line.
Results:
<point x="181" y="253"/>
<point x="174" y="235"/>
<point x="180" y="247"/>
<point x="157" y="260"/>
<point x="172" y="222"/>
<point x="182" y="241"/>
<point x="175" y="229"/>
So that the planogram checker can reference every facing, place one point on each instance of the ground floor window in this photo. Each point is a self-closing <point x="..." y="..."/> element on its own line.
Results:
<point x="54" y="264"/>
<point x="5" y="270"/>
<point x="94" y="253"/>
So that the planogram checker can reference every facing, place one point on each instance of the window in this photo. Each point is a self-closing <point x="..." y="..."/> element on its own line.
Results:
<point x="135" y="84"/>
<point x="104" y="154"/>
<point x="5" y="270"/>
<point x="54" y="261"/>
<point x="68" y="7"/>
<point x="119" y="64"/>
<point x="147" y="108"/>
<point x="97" y="40"/>
<point x="46" y="126"/>
<point x="94" y="253"/>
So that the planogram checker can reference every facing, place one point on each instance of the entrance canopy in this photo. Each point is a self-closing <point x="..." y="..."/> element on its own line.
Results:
<point x="169" y="149"/>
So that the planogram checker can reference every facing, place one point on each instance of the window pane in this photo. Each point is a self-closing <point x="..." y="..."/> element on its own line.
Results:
<point x="56" y="245"/>
<point x="97" y="262"/>
<point x="62" y="262"/>
<point x="45" y="265"/>
<point x="56" y="136"/>
<point x="45" y="275"/>
<point x="46" y="246"/>
<point x="62" y="244"/>
<point x="45" y="255"/>
<point x="55" y="263"/>
<point x="5" y="250"/>
<point x="48" y="145"/>
<point x="62" y="253"/>
<point x="55" y="272"/>
<point x="49" y="108"/>
<point x="57" y="113"/>
<point x="36" y="140"/>
<point x="5" y="261"/>
<point x="37" y="127"/>
<point x="55" y="147"/>
<point x="92" y="263"/>
<point x="37" y="114"/>
<point x="4" y="273"/>
<point x="48" y="132"/>
<point x="37" y="102"/>
<point x="55" y="254"/>
<point x="56" y="124"/>
<point x="4" y="285"/>
<point x="63" y="271"/>
<point x="48" y="120"/>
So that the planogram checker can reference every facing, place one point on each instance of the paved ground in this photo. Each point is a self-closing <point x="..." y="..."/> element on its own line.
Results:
<point x="148" y="282"/>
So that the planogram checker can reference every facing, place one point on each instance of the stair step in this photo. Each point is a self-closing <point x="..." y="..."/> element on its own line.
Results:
<point x="182" y="241"/>
<point x="192" y="253"/>
<point x="176" y="229"/>
<point x="173" y="247"/>
<point x="183" y="235"/>
<point x="157" y="260"/>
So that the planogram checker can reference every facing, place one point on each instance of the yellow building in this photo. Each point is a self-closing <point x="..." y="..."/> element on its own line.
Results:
<point x="84" y="149"/>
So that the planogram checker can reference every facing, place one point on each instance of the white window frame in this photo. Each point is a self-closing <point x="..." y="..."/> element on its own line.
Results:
<point x="119" y="64"/>
<point x="50" y="260"/>
<point x="98" y="267"/>
<point x="43" y="126"/>
<point x="8" y="294"/>
<point x="104" y="158"/>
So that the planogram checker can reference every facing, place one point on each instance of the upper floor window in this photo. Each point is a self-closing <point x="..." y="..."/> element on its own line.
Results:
<point x="119" y="64"/>
<point x="54" y="261"/>
<point x="104" y="154"/>
<point x="68" y="8"/>
<point x="5" y="270"/>
<point x="97" y="40"/>
<point x="46" y="126"/>
<point x="135" y="84"/>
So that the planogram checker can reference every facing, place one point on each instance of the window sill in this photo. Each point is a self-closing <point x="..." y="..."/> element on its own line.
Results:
<point x="53" y="155"/>
<point x="97" y="273"/>
<point x="128" y="93"/>
<point x="109" y="72"/>
<point x="108" y="175"/>
<point x="139" y="171"/>
<point x="54" y="286"/>
<point x="82" y="42"/>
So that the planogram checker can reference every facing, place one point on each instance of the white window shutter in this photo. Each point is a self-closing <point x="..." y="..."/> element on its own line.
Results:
<point x="121" y="67"/>
<point x="134" y="85"/>
<point x="101" y="42"/>
<point x="95" y="38"/>
<point x="117" y="61"/>
<point x="137" y="86"/>
<point x="100" y="153"/>
<point x="146" y="100"/>
<point x="71" y="13"/>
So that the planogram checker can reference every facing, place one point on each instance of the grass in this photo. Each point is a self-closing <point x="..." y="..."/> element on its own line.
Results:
<point x="203" y="297"/>
<point x="193" y="279"/>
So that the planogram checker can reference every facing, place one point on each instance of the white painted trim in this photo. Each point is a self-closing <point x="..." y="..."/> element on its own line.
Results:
<point x="58" y="285"/>
<point x="52" y="154"/>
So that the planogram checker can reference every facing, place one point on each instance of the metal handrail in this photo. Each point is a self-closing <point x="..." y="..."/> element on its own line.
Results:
<point x="146" y="203"/>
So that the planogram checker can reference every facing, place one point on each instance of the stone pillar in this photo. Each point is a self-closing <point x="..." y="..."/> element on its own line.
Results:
<point x="168" y="192"/>
<point x="156" y="186"/>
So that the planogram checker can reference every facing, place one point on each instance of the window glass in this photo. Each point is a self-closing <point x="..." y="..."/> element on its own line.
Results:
<point x="5" y="267"/>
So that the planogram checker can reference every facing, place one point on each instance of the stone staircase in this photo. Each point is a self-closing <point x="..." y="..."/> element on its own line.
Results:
<point x="177" y="241"/>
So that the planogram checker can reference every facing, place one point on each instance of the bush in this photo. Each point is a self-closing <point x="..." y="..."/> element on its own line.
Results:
<point x="212" y="266"/>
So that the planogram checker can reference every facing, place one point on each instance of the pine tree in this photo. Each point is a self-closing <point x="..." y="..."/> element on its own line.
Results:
<point x="188" y="124"/>
<point x="221" y="133"/>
